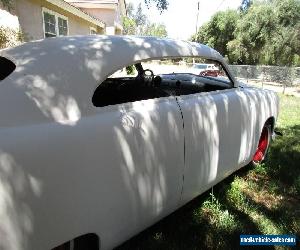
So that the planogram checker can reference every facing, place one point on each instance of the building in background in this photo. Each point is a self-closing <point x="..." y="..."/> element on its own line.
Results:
<point x="110" y="11"/>
<point x="38" y="19"/>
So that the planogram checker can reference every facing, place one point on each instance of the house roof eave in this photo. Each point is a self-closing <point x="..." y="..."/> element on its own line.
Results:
<point x="94" y="4"/>
<point x="77" y="12"/>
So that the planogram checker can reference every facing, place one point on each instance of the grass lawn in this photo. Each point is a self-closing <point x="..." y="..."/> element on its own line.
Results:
<point x="261" y="200"/>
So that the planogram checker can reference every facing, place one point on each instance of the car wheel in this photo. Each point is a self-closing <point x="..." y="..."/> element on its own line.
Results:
<point x="263" y="145"/>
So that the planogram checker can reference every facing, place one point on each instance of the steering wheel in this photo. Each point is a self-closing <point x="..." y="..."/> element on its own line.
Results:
<point x="148" y="78"/>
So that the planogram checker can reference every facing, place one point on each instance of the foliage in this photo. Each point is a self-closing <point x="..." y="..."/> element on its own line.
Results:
<point x="10" y="37"/>
<point x="130" y="70"/>
<point x="139" y="17"/>
<point x="154" y="29"/>
<point x="129" y="26"/>
<point x="253" y="31"/>
<point x="265" y="32"/>
<point x="6" y="3"/>
<point x="245" y="5"/>
<point x="160" y="4"/>
<point x="219" y="31"/>
<point x="3" y="38"/>
<point x="137" y="23"/>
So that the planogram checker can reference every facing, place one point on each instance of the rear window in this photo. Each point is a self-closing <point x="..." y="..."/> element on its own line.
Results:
<point x="6" y="67"/>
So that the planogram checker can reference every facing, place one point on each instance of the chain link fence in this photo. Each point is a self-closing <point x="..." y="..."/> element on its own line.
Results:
<point x="279" y="79"/>
<point x="266" y="76"/>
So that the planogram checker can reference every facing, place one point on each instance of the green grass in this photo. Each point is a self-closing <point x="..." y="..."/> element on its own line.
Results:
<point x="261" y="200"/>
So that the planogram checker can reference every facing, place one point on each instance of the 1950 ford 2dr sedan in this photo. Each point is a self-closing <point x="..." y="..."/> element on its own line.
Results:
<point x="100" y="136"/>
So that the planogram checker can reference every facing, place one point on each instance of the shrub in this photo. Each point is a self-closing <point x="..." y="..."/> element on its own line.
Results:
<point x="130" y="70"/>
<point x="10" y="37"/>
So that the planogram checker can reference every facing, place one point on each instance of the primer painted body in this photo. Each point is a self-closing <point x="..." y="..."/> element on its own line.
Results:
<point x="68" y="168"/>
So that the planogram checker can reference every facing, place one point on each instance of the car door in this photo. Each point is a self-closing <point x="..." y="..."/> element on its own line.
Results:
<point x="140" y="145"/>
<point x="214" y="138"/>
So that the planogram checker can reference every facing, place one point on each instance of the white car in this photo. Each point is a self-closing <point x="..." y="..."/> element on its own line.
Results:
<point x="89" y="160"/>
<point x="206" y="70"/>
<point x="202" y="67"/>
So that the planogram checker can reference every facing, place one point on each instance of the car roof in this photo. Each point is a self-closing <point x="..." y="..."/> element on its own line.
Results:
<point x="100" y="55"/>
<point x="73" y="66"/>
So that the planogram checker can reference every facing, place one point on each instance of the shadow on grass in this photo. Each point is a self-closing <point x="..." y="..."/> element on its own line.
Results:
<point x="284" y="159"/>
<point x="261" y="200"/>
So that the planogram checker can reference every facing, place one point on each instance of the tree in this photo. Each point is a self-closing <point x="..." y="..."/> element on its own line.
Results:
<point x="130" y="10"/>
<point x="10" y="36"/>
<point x="285" y="45"/>
<point x="267" y="33"/>
<point x="245" y="5"/>
<point x="252" y="33"/>
<point x="158" y="30"/>
<point x="140" y="20"/>
<point x="139" y="16"/>
<point x="6" y="3"/>
<point x="129" y="25"/>
<point x="137" y="23"/>
<point x="218" y="31"/>
<point x="160" y="4"/>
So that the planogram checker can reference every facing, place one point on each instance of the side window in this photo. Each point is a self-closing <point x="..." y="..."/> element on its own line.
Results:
<point x="161" y="78"/>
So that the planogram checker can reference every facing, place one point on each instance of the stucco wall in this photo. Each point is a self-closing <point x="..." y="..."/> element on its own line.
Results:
<point x="31" y="19"/>
<point x="106" y="15"/>
<point x="109" y="16"/>
<point x="77" y="26"/>
<point x="119" y="14"/>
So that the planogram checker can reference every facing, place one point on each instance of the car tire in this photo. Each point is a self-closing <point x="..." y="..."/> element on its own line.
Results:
<point x="263" y="146"/>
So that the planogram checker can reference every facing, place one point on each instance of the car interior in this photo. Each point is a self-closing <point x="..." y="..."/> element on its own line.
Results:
<point x="147" y="85"/>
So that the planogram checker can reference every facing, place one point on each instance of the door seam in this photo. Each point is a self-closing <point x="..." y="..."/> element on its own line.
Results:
<point x="184" y="150"/>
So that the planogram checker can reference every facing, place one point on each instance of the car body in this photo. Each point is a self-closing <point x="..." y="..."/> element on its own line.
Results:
<point x="203" y="69"/>
<point x="78" y="159"/>
<point x="210" y="72"/>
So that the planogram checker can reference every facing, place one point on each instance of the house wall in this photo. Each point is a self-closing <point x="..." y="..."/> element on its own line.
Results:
<point x="106" y="15"/>
<point x="110" y="12"/>
<point x="119" y="14"/>
<point x="109" y="16"/>
<point x="77" y="26"/>
<point x="30" y="17"/>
